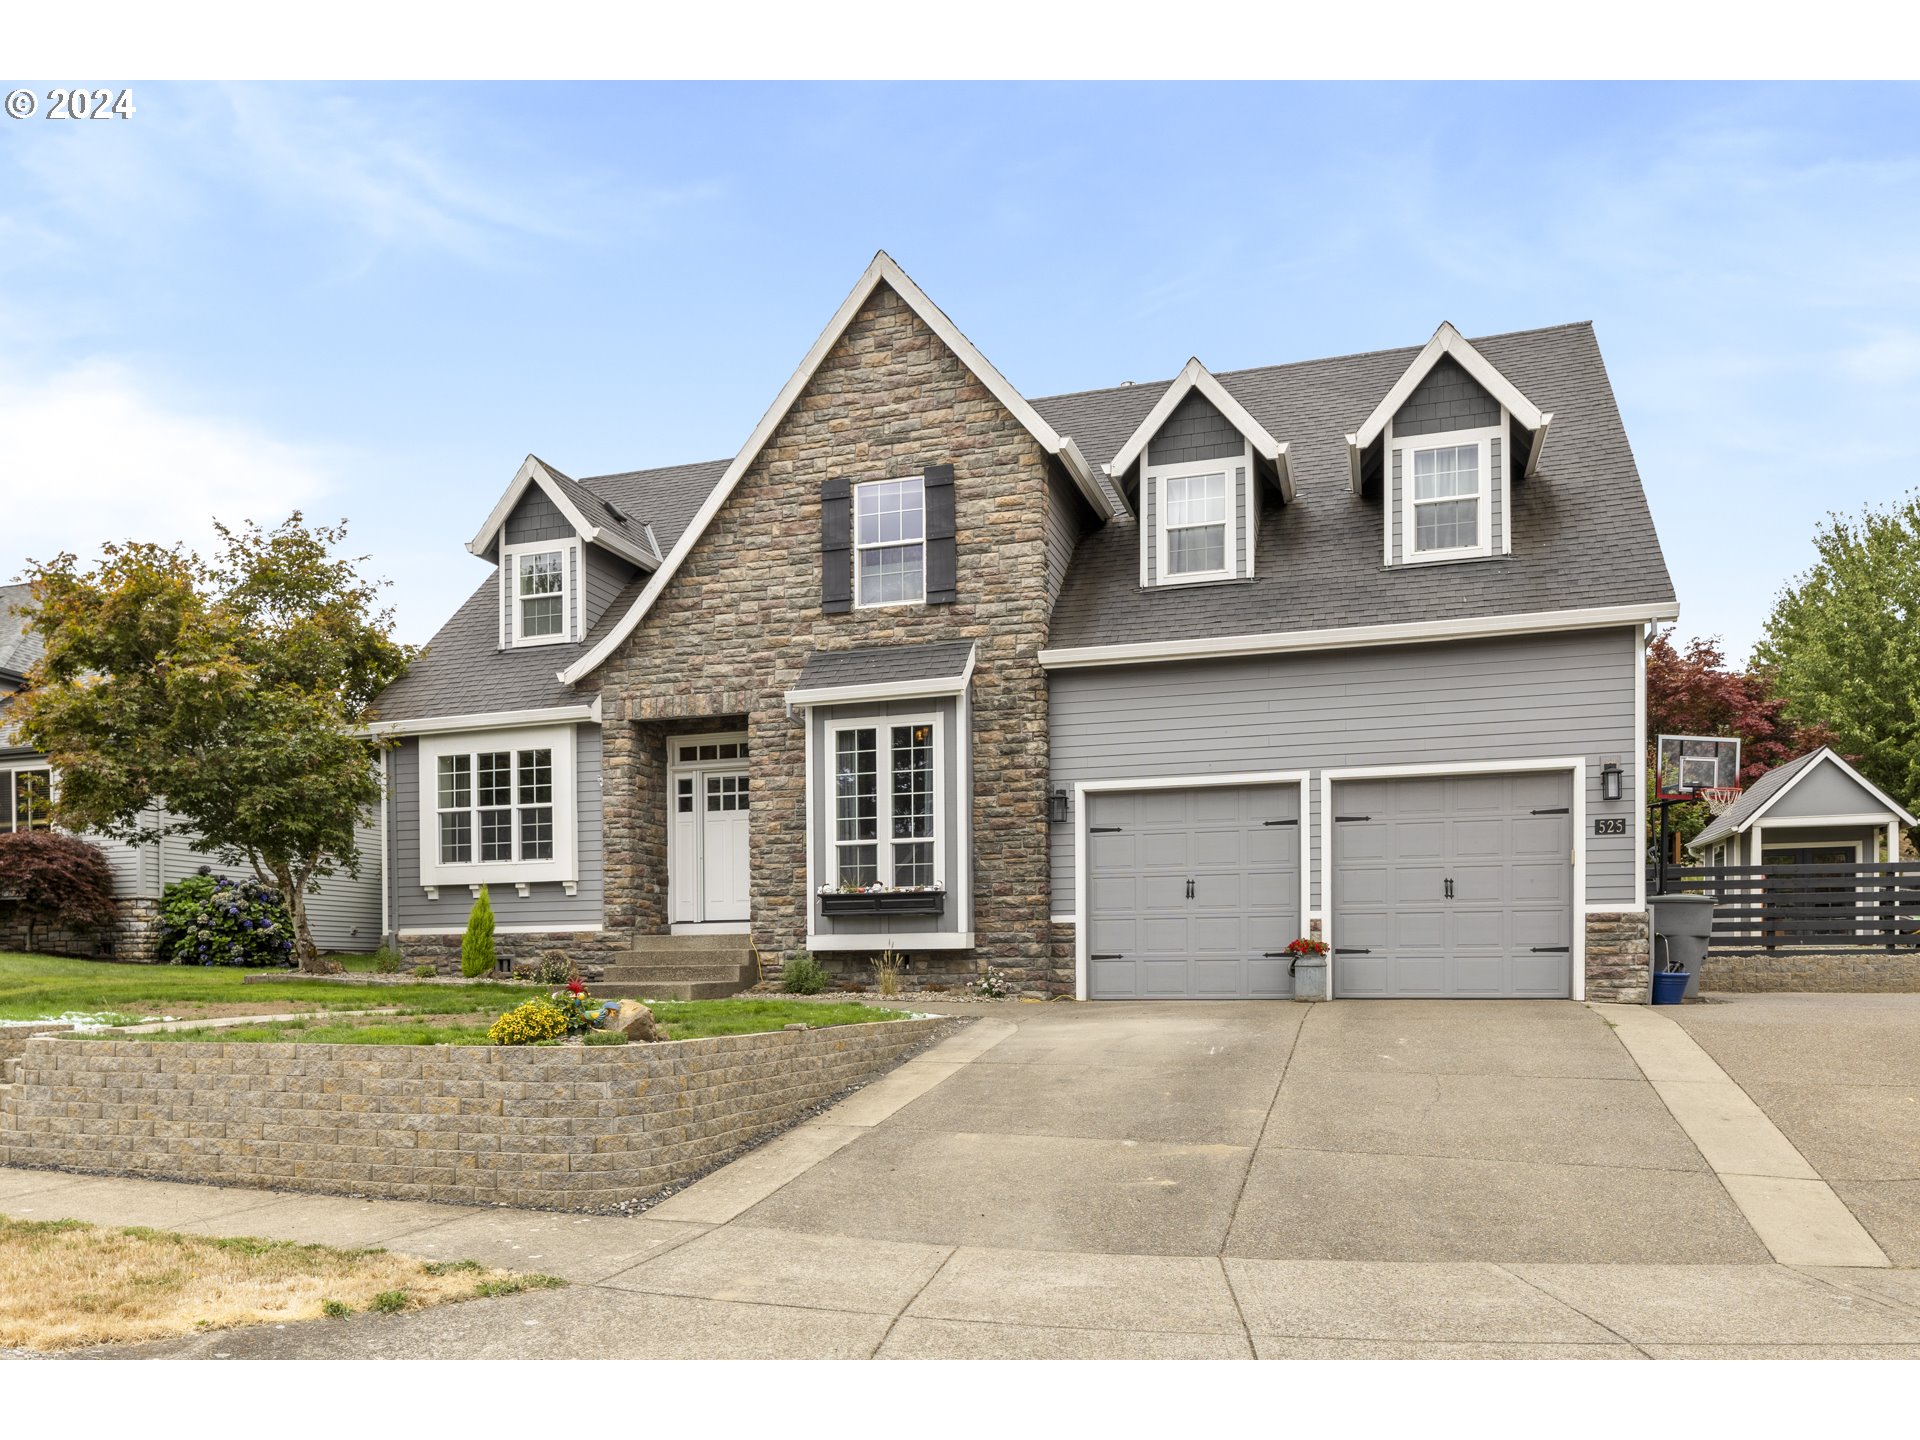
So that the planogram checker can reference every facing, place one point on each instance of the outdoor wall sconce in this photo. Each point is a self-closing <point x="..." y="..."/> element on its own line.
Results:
<point x="1059" y="805"/>
<point x="1610" y="778"/>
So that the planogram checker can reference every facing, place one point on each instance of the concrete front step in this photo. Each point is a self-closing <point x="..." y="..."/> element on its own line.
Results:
<point x="690" y="942"/>
<point x="670" y="989"/>
<point x="704" y="955"/>
<point x="649" y="974"/>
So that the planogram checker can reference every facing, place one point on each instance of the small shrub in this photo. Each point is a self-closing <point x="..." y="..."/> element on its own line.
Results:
<point x="528" y="1024"/>
<point x="389" y="962"/>
<point x="992" y="984"/>
<point x="207" y="919"/>
<point x="390" y="1302"/>
<point x="803" y="975"/>
<point x="424" y="972"/>
<point x="56" y="879"/>
<point x="886" y="971"/>
<point x="556" y="967"/>
<point x="476" y="946"/>
<point x="335" y="1309"/>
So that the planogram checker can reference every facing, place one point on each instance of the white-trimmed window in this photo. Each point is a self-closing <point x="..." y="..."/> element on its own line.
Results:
<point x="497" y="807"/>
<point x="890" y="542"/>
<point x="26" y="798"/>
<point x="540" y="605"/>
<point x="1447" y="484"/>
<point x="886" y="801"/>
<point x="1195" y="514"/>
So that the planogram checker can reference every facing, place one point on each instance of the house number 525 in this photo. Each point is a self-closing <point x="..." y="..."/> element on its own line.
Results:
<point x="1610" y="825"/>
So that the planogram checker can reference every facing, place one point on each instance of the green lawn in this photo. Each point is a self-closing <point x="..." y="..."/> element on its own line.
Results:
<point x="683" y="1019"/>
<point x="34" y="987"/>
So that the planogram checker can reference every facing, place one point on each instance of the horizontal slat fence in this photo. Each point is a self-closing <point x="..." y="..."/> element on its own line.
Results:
<point x="1806" y="907"/>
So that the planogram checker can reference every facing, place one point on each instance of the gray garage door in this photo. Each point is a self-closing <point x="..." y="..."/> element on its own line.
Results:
<point x="1191" y="893"/>
<point x="1455" y="886"/>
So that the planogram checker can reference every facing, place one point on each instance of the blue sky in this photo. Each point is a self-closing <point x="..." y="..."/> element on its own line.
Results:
<point x="373" y="301"/>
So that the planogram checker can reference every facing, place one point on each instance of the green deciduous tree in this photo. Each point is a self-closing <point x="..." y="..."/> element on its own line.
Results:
<point x="219" y="700"/>
<point x="1843" y="643"/>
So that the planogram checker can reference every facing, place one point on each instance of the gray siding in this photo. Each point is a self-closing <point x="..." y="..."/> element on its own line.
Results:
<point x="1496" y="501"/>
<point x="546" y="906"/>
<point x="1149" y="528"/>
<point x="1825" y="790"/>
<point x="1530" y="698"/>
<point x="955" y="800"/>
<point x="1240" y="521"/>
<point x="1394" y="507"/>
<point x="1447" y="399"/>
<point x="607" y="576"/>
<point x="1064" y="527"/>
<point x="1195" y="431"/>
<point x="1740" y="849"/>
<point x="536" y="518"/>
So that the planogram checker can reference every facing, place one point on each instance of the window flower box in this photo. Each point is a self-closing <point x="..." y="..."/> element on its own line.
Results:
<point x="883" y="902"/>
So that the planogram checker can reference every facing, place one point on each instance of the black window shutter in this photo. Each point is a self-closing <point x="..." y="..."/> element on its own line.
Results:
<point x="940" y="559"/>
<point x="836" y="545"/>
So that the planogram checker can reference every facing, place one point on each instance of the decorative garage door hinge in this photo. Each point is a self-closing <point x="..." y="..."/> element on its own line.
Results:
<point x="1339" y="818"/>
<point x="1556" y="810"/>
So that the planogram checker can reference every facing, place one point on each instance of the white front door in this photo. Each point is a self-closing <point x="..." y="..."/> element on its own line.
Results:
<point x="723" y="846"/>
<point x="709" y="794"/>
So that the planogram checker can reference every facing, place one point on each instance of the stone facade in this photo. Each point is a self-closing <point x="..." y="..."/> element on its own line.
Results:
<point x="1858" y="971"/>
<point x="565" y="1128"/>
<point x="135" y="934"/>
<point x="1617" y="963"/>
<point x="443" y="951"/>
<point x="729" y="634"/>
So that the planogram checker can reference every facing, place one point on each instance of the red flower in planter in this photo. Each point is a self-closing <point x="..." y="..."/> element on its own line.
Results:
<point x="574" y="987"/>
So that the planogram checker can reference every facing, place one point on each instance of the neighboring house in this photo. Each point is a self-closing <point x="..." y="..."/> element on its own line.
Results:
<point x="1816" y="810"/>
<point x="1117" y="691"/>
<point x="344" y="913"/>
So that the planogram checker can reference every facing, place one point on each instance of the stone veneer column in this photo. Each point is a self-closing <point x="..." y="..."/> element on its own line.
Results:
<point x="1617" y="961"/>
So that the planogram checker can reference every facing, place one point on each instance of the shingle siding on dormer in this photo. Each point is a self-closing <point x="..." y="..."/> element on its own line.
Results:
<point x="1447" y="399"/>
<point x="1195" y="431"/>
<point x="536" y="518"/>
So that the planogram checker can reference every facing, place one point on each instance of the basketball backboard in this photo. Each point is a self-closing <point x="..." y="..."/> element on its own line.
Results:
<point x="1686" y="764"/>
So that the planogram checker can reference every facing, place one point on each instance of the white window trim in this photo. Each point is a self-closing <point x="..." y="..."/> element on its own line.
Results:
<point x="563" y="867"/>
<point x="9" y="777"/>
<point x="570" y="561"/>
<point x="1159" y="475"/>
<point x="883" y="810"/>
<point x="1408" y="445"/>
<point x="921" y="598"/>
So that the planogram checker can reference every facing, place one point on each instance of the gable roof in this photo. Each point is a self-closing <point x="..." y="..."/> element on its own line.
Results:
<point x="592" y="518"/>
<point x="882" y="271"/>
<point x="20" y="646"/>
<point x="1195" y="376"/>
<point x="1448" y="341"/>
<point x="1759" y="797"/>
<point x="890" y="672"/>
<point x="1583" y="553"/>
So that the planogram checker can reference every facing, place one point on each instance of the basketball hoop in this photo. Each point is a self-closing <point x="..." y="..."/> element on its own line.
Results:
<point x="1719" y="797"/>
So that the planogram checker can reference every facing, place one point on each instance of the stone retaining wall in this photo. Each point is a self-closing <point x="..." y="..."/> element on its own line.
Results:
<point x="1859" y="971"/>
<point x="1617" y="967"/>
<point x="573" y="1128"/>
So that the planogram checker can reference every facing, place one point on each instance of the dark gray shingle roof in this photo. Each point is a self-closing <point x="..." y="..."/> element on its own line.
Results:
<point x="829" y="669"/>
<point x="1582" y="535"/>
<point x="1752" y="798"/>
<point x="19" y="646"/>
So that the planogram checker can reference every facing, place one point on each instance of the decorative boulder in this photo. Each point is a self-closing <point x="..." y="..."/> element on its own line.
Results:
<point x="635" y="1021"/>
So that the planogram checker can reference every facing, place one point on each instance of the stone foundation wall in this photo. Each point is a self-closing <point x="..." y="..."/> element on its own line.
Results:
<point x="443" y="951"/>
<point x="573" y="1128"/>
<point x="135" y="934"/>
<point x="1617" y="964"/>
<point x="1853" y="971"/>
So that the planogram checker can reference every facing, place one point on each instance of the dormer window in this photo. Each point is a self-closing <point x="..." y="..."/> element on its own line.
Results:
<point x="1449" y="496"/>
<point x="890" y="542"/>
<point x="541" y="584"/>
<point x="1196" y="520"/>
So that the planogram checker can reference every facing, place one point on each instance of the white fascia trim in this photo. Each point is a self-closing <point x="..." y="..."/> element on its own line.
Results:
<point x="1083" y="788"/>
<point x="1195" y="376"/>
<point x="1354" y="449"/>
<point x="906" y="944"/>
<point x="883" y="270"/>
<point x="1825" y="752"/>
<point x="588" y="714"/>
<point x="1576" y="768"/>
<point x="1539" y="448"/>
<point x="939" y="685"/>
<point x="1356" y="637"/>
<point x="533" y="472"/>
<point x="1448" y="341"/>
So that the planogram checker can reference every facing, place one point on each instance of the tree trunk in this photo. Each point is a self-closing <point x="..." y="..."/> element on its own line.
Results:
<point x="305" y="953"/>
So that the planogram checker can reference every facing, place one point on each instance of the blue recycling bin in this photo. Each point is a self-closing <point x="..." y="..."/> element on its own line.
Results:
<point x="1670" y="989"/>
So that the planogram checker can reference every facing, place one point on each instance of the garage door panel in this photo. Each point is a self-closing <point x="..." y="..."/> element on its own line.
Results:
<point x="1164" y="934"/>
<point x="1511" y="885"/>
<point x="1161" y="891"/>
<point x="1165" y="849"/>
<point x="1112" y="854"/>
<point x="1116" y="934"/>
<point x="1221" y="979"/>
<point x="1166" y="979"/>
<point x="1275" y="849"/>
<point x="1218" y="849"/>
<point x="1219" y="935"/>
<point x="1160" y="808"/>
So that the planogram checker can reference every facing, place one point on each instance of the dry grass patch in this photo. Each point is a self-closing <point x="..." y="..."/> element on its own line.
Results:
<point x="68" y="1283"/>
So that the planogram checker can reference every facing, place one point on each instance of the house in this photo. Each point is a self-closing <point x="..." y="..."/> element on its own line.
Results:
<point x="1816" y="810"/>
<point x="344" y="912"/>
<point x="1117" y="691"/>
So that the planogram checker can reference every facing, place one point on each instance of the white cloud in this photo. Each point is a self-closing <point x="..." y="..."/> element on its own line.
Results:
<point x="90" y="456"/>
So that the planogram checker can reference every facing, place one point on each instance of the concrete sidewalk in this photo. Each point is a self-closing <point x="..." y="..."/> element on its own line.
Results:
<point x="1137" y="1181"/>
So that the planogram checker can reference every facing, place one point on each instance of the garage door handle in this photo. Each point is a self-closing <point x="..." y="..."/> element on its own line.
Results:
<point x="1106" y="957"/>
<point x="1553" y="949"/>
<point x="1189" y="889"/>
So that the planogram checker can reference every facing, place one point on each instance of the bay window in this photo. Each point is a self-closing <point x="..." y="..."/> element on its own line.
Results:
<point x="886" y="803"/>
<point x="497" y="807"/>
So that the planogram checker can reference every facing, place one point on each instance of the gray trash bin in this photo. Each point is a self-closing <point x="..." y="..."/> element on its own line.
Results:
<point x="1681" y="925"/>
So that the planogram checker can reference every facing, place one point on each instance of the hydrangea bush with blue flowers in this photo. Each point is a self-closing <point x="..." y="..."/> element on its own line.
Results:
<point x="211" y="920"/>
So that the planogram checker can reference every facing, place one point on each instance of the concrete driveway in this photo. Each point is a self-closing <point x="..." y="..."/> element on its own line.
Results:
<point x="1347" y="1179"/>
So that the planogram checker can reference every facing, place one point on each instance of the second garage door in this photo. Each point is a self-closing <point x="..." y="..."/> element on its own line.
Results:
<point x="1192" y="893"/>
<point x="1453" y="886"/>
